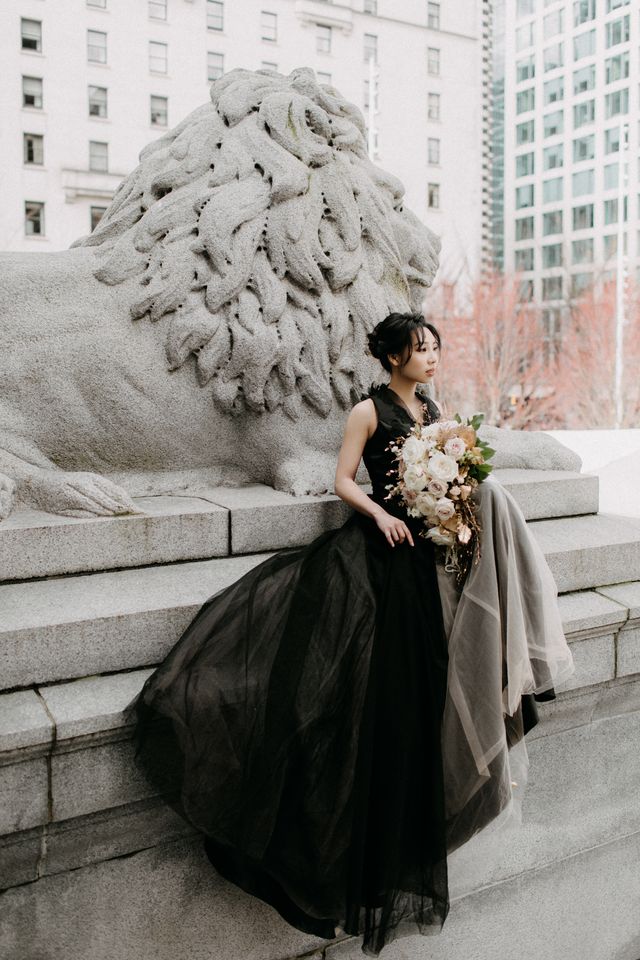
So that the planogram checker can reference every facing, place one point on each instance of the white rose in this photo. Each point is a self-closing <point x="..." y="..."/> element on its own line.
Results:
<point x="426" y="503"/>
<point x="415" y="478"/>
<point x="442" y="467"/>
<point x="437" y="487"/>
<point x="430" y="432"/>
<point x="455" y="447"/>
<point x="440" y="536"/>
<point x="413" y="450"/>
<point x="448" y="424"/>
<point x="444" y="508"/>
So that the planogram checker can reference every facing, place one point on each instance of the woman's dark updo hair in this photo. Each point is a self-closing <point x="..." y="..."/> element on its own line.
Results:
<point x="393" y="334"/>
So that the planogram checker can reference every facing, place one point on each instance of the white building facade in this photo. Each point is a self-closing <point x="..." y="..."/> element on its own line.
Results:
<point x="88" y="83"/>
<point x="571" y="76"/>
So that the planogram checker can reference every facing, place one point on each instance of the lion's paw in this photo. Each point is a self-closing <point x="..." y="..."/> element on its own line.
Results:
<point x="309" y="474"/>
<point x="77" y="494"/>
<point x="7" y="495"/>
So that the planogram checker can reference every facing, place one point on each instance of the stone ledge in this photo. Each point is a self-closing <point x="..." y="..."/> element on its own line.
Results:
<point x="219" y="521"/>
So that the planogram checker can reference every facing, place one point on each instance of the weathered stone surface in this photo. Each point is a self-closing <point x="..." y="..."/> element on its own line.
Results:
<point x="23" y="795"/>
<point x="214" y="323"/>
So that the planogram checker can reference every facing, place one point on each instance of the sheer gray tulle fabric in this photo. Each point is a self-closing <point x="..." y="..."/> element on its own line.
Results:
<point x="505" y="638"/>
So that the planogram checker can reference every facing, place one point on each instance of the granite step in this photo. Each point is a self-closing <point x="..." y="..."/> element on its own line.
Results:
<point x="66" y="751"/>
<point x="63" y="627"/>
<point x="222" y="521"/>
<point x="581" y="822"/>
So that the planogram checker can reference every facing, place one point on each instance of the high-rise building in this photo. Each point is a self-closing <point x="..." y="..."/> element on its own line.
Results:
<point x="88" y="83"/>
<point x="571" y="76"/>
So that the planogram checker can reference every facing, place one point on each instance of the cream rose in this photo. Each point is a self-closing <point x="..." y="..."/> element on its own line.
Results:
<point x="444" y="508"/>
<point x="442" y="467"/>
<point x="415" y="478"/>
<point x="426" y="503"/>
<point x="455" y="447"/>
<point x="437" y="487"/>
<point x="442" y="537"/>
<point x="413" y="450"/>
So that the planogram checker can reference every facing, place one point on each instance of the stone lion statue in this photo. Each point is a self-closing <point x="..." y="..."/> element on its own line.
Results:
<point x="212" y="328"/>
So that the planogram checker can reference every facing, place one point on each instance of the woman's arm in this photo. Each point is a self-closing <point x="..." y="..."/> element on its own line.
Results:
<point x="361" y="422"/>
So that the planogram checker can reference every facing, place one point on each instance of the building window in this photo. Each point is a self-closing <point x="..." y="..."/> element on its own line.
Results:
<point x="33" y="148"/>
<point x="157" y="57"/>
<point x="215" y="14"/>
<point x="370" y="47"/>
<point x="98" y="156"/>
<point x="526" y="69"/>
<point x="433" y="195"/>
<point x="552" y="56"/>
<point x="159" y="111"/>
<point x="268" y="25"/>
<point x="583" y="10"/>
<point x="158" y="9"/>
<point x="584" y="78"/>
<point x="524" y="36"/>
<point x="33" y="219"/>
<point x="553" y="157"/>
<point x="611" y="210"/>
<point x="323" y="38"/>
<point x="433" y="106"/>
<point x="584" y="148"/>
<point x="371" y="6"/>
<point x="524" y="259"/>
<point x="366" y="95"/>
<point x="617" y="68"/>
<point x="322" y="77"/>
<point x="584" y="113"/>
<point x="551" y="334"/>
<point x="102" y="4"/>
<point x="525" y="100"/>
<point x="433" y="16"/>
<point x="583" y="182"/>
<point x="552" y="24"/>
<point x="554" y="90"/>
<point x="273" y="68"/>
<point x="553" y="123"/>
<point x="524" y="228"/>
<point x="96" y="46"/>
<point x="433" y="61"/>
<point x="525" y="8"/>
<point x="525" y="290"/>
<point x="610" y="245"/>
<point x="616" y="4"/>
<point x="552" y="190"/>
<point x="616" y="31"/>
<point x="95" y="214"/>
<point x="583" y="217"/>
<point x="524" y="196"/>
<point x="611" y="176"/>
<point x="552" y="255"/>
<point x="584" y="44"/>
<point x="524" y="164"/>
<point x="98" y="102"/>
<point x="433" y="150"/>
<point x="579" y="283"/>
<point x="612" y="140"/>
<point x="552" y="288"/>
<point x="32" y="92"/>
<point x="616" y="102"/>
<point x="525" y="132"/>
<point x="551" y="222"/>
<point x="215" y="66"/>
<point x="31" y="35"/>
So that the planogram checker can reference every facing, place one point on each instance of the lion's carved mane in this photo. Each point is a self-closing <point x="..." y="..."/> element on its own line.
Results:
<point x="260" y="228"/>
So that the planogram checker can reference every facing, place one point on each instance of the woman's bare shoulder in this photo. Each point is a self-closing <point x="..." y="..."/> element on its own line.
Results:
<point x="364" y="414"/>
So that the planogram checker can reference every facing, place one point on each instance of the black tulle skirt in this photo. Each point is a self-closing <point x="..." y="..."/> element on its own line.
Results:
<point x="296" y="723"/>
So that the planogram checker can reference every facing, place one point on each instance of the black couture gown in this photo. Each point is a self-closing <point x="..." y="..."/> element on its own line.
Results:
<point x="297" y="724"/>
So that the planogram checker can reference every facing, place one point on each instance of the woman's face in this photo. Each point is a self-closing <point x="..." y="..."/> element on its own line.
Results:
<point x="423" y="362"/>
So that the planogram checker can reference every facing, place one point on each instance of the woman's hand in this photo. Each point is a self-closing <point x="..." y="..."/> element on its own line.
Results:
<point x="394" y="529"/>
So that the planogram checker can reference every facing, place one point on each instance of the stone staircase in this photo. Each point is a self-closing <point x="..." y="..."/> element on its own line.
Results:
<point x="94" y="867"/>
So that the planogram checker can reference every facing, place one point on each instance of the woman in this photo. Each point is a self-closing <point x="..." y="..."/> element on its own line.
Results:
<point x="341" y="717"/>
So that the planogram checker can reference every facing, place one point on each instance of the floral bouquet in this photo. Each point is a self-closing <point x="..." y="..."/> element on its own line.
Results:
<point x="439" y="465"/>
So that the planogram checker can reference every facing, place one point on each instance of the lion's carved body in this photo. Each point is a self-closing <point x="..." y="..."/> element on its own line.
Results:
<point x="216" y="319"/>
